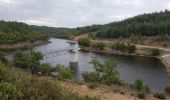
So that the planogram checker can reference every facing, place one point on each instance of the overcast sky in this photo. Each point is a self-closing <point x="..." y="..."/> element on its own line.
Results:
<point x="73" y="13"/>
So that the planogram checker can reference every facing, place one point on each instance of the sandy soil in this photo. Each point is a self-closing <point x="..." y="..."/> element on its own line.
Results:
<point x="76" y="38"/>
<point x="104" y="92"/>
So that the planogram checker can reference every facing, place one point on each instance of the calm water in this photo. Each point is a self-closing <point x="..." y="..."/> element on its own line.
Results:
<point x="149" y="70"/>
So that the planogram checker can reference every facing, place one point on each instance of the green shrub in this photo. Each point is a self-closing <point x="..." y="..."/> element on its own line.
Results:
<point x="90" y="77"/>
<point x="131" y="48"/>
<point x="119" y="46"/>
<point x="160" y="95"/>
<point x="45" y="69"/>
<point x="84" y="42"/>
<point x="139" y="85"/>
<point x="99" y="46"/>
<point x="124" y="47"/>
<point x="167" y="89"/>
<point x="3" y="72"/>
<point x="9" y="91"/>
<point x="64" y="73"/>
<point x="141" y="96"/>
<point x="155" y="52"/>
<point x="2" y="57"/>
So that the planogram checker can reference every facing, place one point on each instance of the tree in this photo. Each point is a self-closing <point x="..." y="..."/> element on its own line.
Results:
<point x="29" y="60"/>
<point x="19" y="60"/>
<point x="105" y="73"/>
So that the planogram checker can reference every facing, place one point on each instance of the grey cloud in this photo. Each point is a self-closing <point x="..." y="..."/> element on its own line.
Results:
<point x="73" y="13"/>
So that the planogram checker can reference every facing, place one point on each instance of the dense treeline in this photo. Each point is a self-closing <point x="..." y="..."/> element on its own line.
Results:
<point x="145" y="25"/>
<point x="16" y="32"/>
<point x="53" y="32"/>
<point x="152" y="24"/>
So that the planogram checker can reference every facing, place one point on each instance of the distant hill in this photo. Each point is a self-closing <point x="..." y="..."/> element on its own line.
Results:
<point x="151" y="24"/>
<point x="16" y="32"/>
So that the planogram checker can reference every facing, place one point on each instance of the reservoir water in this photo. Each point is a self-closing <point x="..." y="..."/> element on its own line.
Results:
<point x="131" y="68"/>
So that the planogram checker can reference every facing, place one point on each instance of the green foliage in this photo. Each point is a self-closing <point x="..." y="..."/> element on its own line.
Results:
<point x="45" y="69"/>
<point x="90" y="77"/>
<point x="15" y="32"/>
<point x="25" y="86"/>
<point x="160" y="95"/>
<point x="141" y="96"/>
<point x="9" y="91"/>
<point x="2" y="57"/>
<point x="104" y="73"/>
<point x="29" y="60"/>
<point x="145" y="25"/>
<point x="99" y="46"/>
<point x="84" y="42"/>
<point x="155" y="52"/>
<point x="119" y="46"/>
<point x="131" y="48"/>
<point x="139" y="85"/>
<point x="124" y="47"/>
<point x="167" y="89"/>
<point x="63" y="72"/>
<point x="3" y="72"/>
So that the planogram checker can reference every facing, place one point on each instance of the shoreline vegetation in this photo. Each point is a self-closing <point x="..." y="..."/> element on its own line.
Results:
<point x="23" y="45"/>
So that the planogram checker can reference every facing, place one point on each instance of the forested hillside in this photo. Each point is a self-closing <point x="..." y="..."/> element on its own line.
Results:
<point x="16" y="32"/>
<point x="157" y="23"/>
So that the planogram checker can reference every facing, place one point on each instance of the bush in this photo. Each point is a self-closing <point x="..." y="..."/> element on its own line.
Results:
<point x="2" y="57"/>
<point x="90" y="77"/>
<point x="84" y="42"/>
<point x="141" y="96"/>
<point x="45" y="69"/>
<point x="139" y="85"/>
<point x="131" y="48"/>
<point x="64" y="73"/>
<point x="167" y="89"/>
<point x="99" y="45"/>
<point x="119" y="46"/>
<point x="8" y="91"/>
<point x="160" y="95"/>
<point x="155" y="52"/>
<point x="124" y="47"/>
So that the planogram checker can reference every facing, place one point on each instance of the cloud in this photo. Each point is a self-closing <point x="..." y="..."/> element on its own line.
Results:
<point x="73" y="13"/>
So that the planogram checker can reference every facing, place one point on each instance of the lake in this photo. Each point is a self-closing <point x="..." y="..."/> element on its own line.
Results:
<point x="131" y="68"/>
